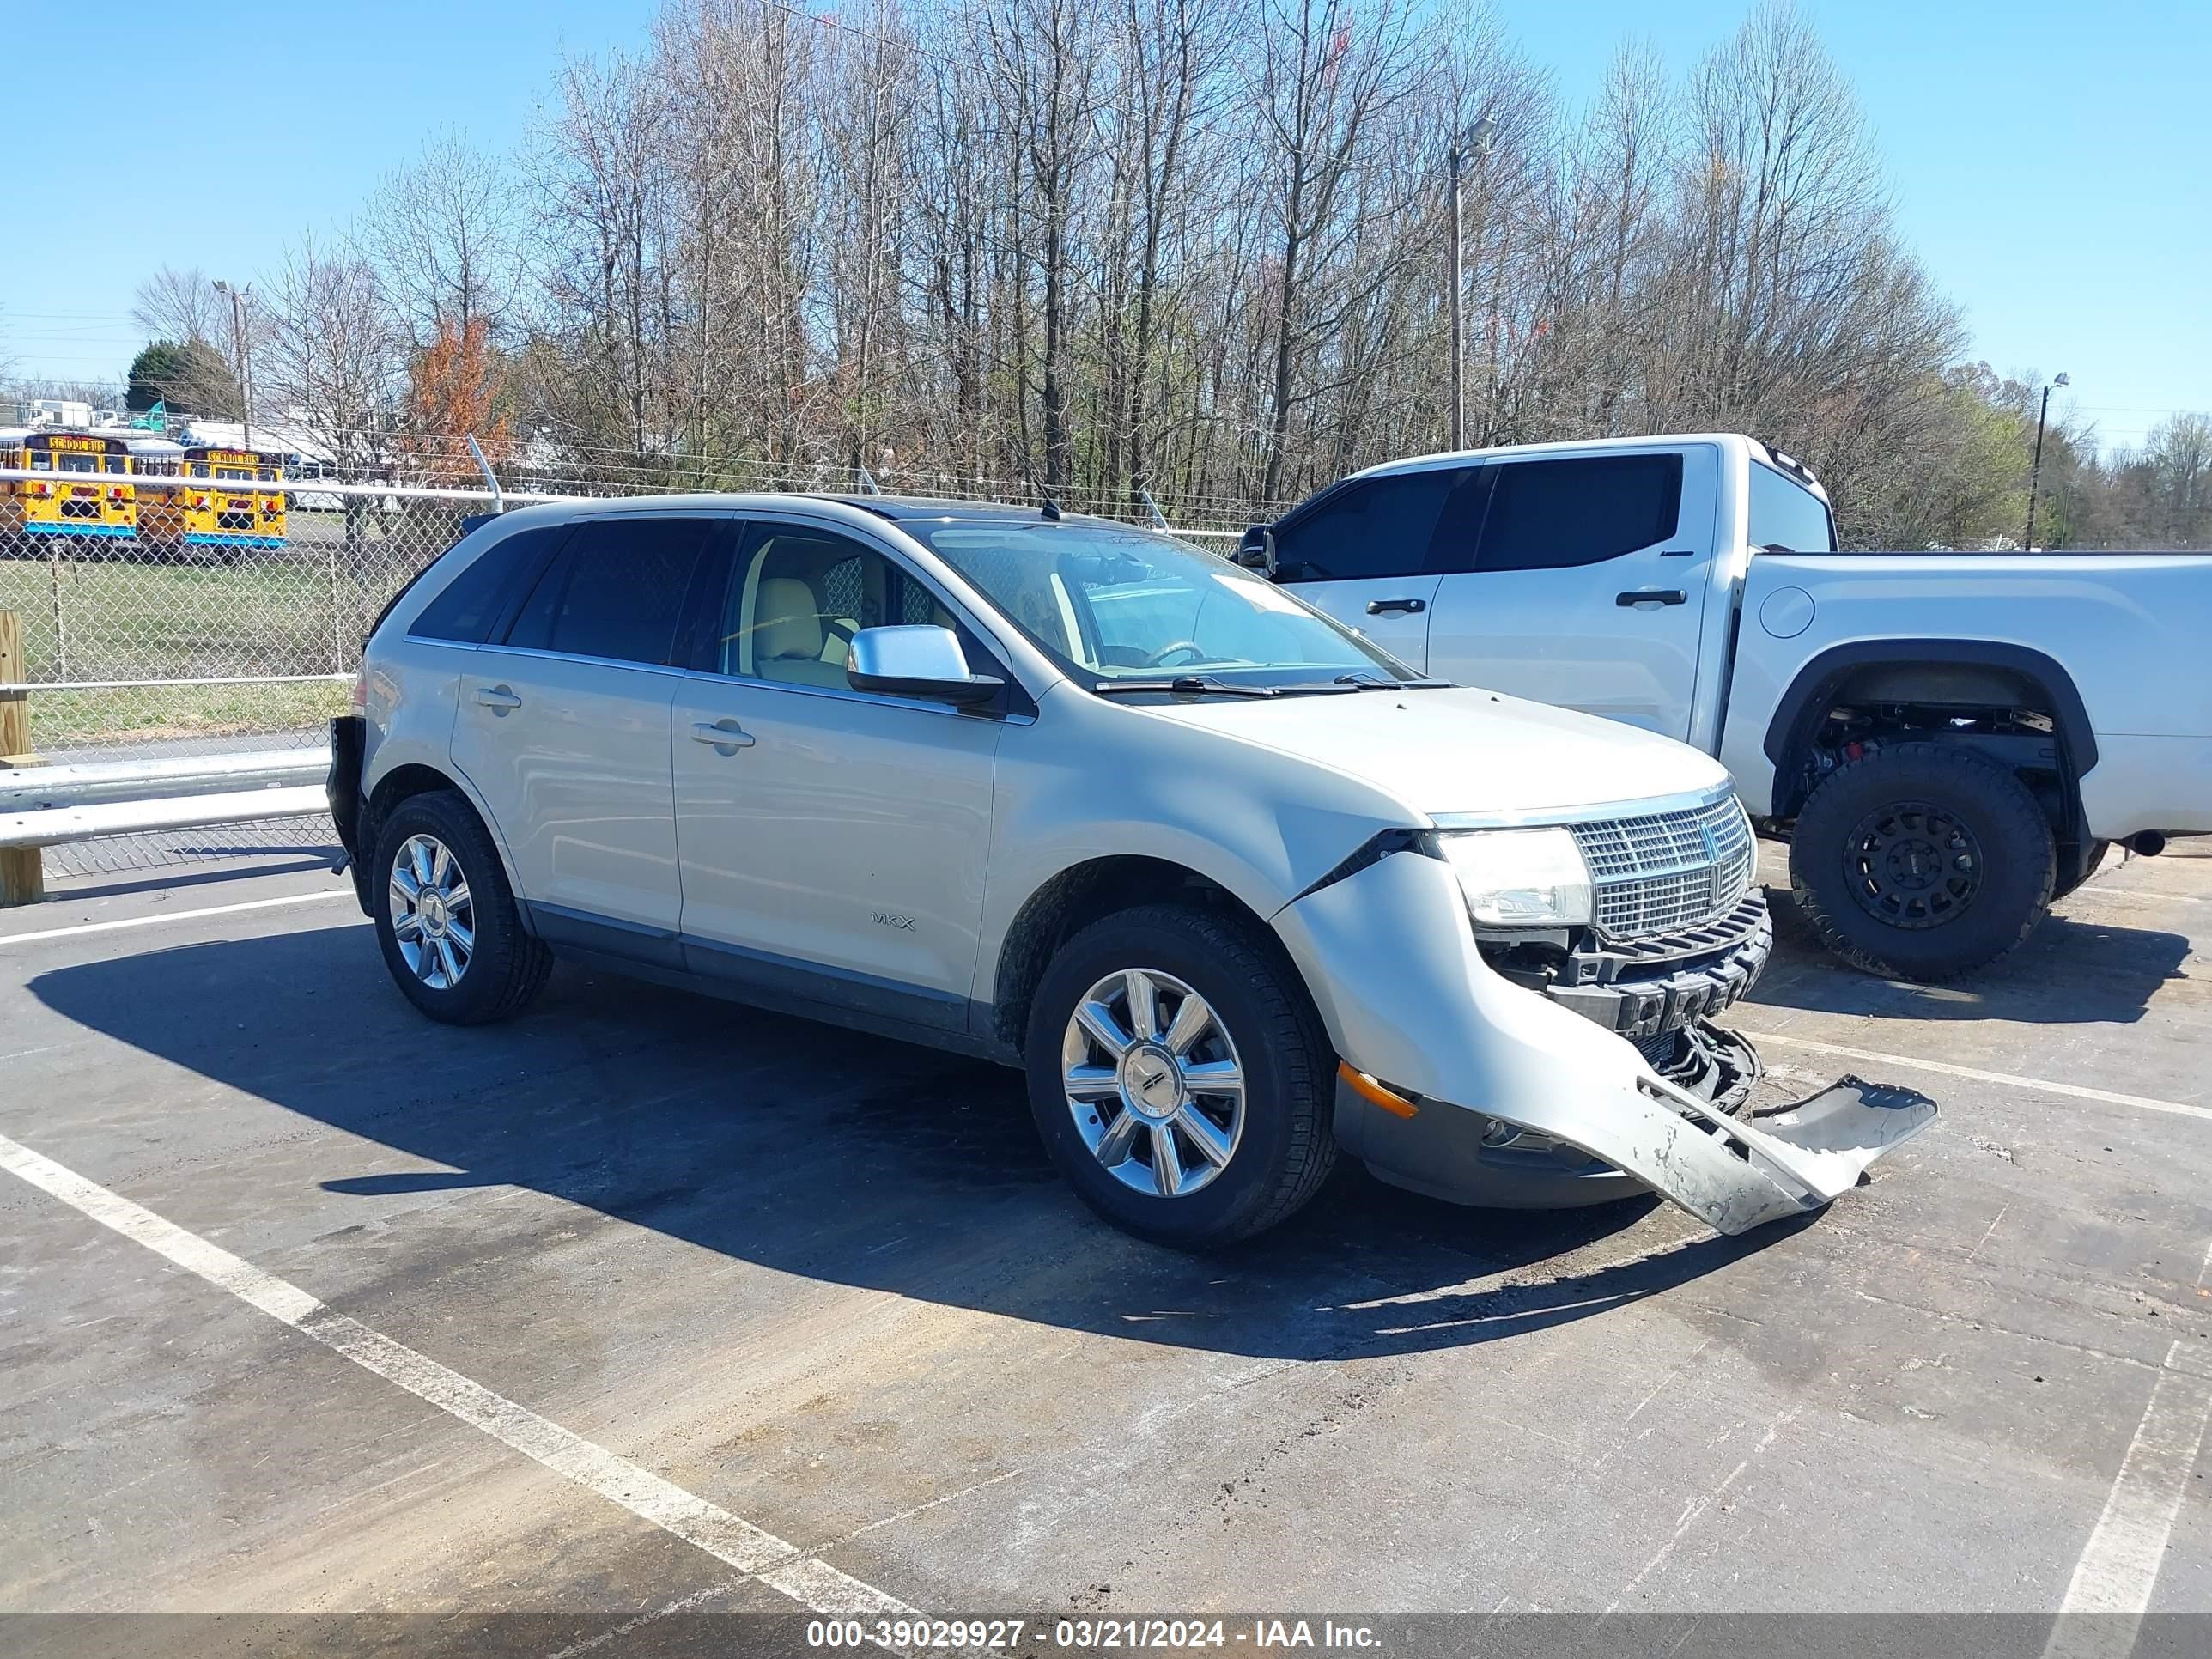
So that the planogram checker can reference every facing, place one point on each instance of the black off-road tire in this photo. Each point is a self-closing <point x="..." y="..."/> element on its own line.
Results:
<point x="1288" y="1145"/>
<point x="2017" y="862"/>
<point x="508" y="965"/>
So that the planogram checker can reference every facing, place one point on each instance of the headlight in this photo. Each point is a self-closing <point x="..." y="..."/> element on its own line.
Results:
<point x="1520" y="877"/>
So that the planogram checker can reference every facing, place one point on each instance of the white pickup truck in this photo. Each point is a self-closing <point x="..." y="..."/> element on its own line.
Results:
<point x="1947" y="740"/>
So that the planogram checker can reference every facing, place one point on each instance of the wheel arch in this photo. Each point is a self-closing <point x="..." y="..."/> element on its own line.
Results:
<point x="1933" y="671"/>
<point x="405" y="782"/>
<point x="1071" y="899"/>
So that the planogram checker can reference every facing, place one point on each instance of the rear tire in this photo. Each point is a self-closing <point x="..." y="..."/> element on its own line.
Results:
<point x="446" y="920"/>
<point x="1216" y="994"/>
<point x="1921" y="861"/>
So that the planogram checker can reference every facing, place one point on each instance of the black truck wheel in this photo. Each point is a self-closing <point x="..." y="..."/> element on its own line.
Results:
<point x="1921" y="861"/>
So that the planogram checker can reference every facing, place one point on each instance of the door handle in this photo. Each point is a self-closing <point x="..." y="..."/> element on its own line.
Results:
<point x="1652" y="596"/>
<point x="1411" y="607"/>
<point x="723" y="734"/>
<point x="497" y="698"/>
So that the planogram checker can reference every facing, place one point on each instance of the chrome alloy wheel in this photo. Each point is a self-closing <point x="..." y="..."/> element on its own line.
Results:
<point x="1154" y="1083"/>
<point x="433" y="917"/>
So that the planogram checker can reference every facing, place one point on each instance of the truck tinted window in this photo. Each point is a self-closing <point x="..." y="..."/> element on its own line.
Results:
<point x="476" y="600"/>
<point x="616" y="591"/>
<point x="1547" y="515"/>
<point x="1370" y="527"/>
<point x="1786" y="514"/>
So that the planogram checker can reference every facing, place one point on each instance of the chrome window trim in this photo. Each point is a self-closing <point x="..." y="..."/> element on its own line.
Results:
<point x="537" y="653"/>
<point x="1650" y="806"/>
<point x="927" y="705"/>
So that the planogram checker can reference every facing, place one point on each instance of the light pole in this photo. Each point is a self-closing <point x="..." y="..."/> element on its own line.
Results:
<point x="1476" y="138"/>
<point x="241" y="350"/>
<point x="2035" y="472"/>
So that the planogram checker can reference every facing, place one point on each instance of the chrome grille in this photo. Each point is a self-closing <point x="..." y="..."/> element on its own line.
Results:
<point x="1670" y="870"/>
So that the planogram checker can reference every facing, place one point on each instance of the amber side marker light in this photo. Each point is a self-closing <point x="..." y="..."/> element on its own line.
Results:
<point x="1374" y="1093"/>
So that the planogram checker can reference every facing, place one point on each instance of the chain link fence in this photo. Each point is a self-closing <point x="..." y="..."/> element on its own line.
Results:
<point x="139" y="647"/>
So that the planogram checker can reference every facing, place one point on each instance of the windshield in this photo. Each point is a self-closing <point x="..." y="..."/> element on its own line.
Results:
<point x="1117" y="605"/>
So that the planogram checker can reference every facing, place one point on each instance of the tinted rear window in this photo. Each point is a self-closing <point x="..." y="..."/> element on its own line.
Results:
<point x="474" y="601"/>
<point x="1785" y="515"/>
<point x="616" y="591"/>
<point x="1547" y="515"/>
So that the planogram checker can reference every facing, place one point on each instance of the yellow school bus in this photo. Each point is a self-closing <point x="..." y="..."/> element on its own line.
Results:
<point x="225" y="504"/>
<point x="161" y="506"/>
<point x="88" y="496"/>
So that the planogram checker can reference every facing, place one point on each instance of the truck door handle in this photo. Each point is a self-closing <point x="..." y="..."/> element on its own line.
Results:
<point x="1411" y="607"/>
<point x="1652" y="596"/>
<point x="723" y="734"/>
<point x="497" y="698"/>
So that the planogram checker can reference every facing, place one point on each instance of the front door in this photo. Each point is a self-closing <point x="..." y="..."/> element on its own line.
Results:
<point x="833" y="842"/>
<point x="1362" y="552"/>
<point x="562" y="727"/>
<point x="1588" y="585"/>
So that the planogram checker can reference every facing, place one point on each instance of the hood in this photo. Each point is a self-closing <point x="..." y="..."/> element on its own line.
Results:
<point x="1462" y="750"/>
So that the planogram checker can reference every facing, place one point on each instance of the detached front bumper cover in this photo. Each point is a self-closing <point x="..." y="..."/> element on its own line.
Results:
<point x="1740" y="1173"/>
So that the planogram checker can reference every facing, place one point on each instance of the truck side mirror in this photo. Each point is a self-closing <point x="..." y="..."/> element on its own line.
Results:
<point x="1256" y="548"/>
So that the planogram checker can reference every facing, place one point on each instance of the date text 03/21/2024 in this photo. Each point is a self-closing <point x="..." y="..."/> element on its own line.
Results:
<point x="1089" y="1635"/>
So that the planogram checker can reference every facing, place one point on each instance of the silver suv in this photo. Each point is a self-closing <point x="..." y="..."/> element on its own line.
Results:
<point x="1231" y="884"/>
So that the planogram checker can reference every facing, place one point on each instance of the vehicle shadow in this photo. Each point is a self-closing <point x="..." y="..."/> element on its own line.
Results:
<point x="816" y="1151"/>
<point x="2066" y="972"/>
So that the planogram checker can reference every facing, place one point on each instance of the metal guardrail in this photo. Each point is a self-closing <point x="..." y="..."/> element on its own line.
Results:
<point x="50" y="805"/>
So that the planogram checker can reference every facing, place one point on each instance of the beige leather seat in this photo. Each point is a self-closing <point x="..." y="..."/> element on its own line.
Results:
<point x="789" y="641"/>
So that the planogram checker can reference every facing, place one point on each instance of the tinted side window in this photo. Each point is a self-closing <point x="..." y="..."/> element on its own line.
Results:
<point x="476" y="600"/>
<point x="1549" y="515"/>
<point x="1785" y="514"/>
<point x="616" y="591"/>
<point x="1374" y="528"/>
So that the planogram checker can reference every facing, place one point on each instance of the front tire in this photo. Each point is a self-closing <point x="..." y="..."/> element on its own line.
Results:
<point x="446" y="920"/>
<point x="1179" y="1077"/>
<point x="1921" y="861"/>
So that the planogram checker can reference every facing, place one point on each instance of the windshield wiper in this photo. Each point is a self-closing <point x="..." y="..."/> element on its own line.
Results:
<point x="1370" y="682"/>
<point x="1188" y="684"/>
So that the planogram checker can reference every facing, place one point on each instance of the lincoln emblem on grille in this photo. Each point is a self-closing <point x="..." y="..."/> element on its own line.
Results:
<point x="1716" y="876"/>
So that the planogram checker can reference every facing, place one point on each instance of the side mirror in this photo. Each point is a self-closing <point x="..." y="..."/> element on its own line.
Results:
<point x="916" y="660"/>
<point x="1256" y="548"/>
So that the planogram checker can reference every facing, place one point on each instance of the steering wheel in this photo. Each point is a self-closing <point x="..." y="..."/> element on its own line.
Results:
<point x="1159" y="658"/>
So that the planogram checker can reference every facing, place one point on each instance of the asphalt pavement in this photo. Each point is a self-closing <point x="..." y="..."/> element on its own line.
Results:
<point x="646" y="1305"/>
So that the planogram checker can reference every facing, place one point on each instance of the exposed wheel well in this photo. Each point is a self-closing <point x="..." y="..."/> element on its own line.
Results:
<point x="1075" y="898"/>
<point x="2015" y="705"/>
<point x="395" y="787"/>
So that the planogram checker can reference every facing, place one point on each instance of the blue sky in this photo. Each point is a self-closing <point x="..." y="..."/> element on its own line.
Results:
<point x="2050" y="161"/>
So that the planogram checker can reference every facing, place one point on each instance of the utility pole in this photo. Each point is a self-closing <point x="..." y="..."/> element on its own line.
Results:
<point x="2035" y="472"/>
<point x="1476" y="137"/>
<point x="241" y="350"/>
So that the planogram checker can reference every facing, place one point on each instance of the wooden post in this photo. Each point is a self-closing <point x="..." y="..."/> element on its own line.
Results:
<point x="22" y="875"/>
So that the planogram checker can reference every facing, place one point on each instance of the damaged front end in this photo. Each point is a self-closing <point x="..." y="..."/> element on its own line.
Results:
<point x="1546" y="1073"/>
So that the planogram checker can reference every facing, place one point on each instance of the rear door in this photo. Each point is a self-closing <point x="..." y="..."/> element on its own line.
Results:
<point x="1585" y="586"/>
<point x="1362" y="551"/>
<point x="563" y="729"/>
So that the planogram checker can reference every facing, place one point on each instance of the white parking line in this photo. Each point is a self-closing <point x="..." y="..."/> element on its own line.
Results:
<point x="2119" y="1564"/>
<point x="2042" y="1086"/>
<point x="753" y="1552"/>
<point x="173" y="915"/>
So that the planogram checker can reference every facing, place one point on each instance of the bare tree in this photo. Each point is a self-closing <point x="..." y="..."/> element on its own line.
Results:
<point x="333" y="357"/>
<point x="441" y="232"/>
<point x="1324" y="78"/>
<point x="183" y="306"/>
